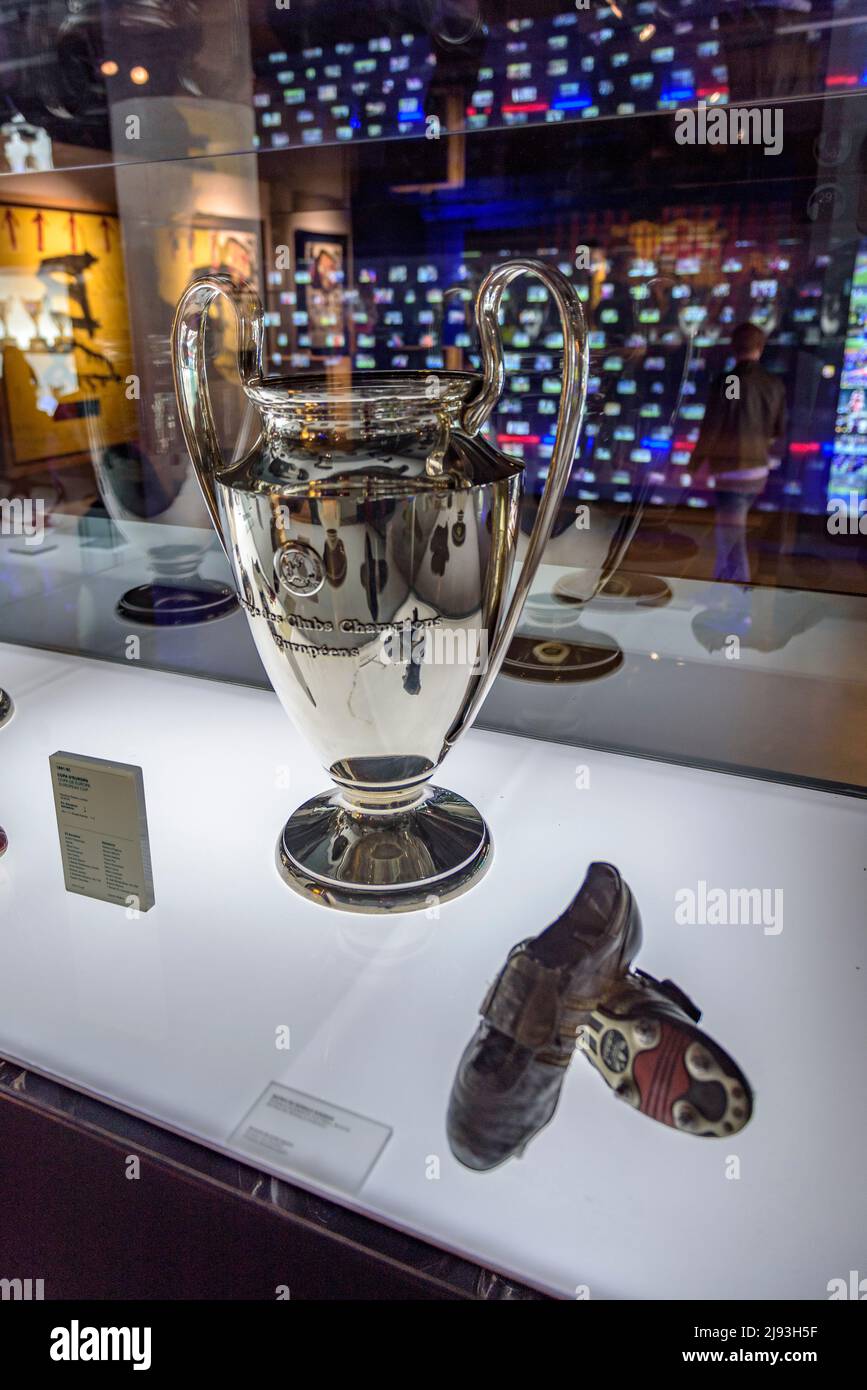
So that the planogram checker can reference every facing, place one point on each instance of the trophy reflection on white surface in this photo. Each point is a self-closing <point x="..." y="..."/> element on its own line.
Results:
<point x="151" y="495"/>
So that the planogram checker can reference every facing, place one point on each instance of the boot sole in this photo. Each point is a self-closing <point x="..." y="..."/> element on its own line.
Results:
<point x="670" y="1071"/>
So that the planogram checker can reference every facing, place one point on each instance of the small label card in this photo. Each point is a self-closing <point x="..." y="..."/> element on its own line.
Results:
<point x="310" y="1137"/>
<point x="102" y="824"/>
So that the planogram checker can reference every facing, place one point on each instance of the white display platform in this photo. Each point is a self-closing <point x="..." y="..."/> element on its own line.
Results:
<point x="174" y="1016"/>
<point x="799" y="676"/>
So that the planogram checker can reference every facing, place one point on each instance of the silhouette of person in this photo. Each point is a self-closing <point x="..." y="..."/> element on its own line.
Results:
<point x="745" y="412"/>
<point x="439" y="550"/>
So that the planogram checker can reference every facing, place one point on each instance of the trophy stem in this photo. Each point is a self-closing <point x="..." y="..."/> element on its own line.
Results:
<point x="363" y="857"/>
<point x="391" y="802"/>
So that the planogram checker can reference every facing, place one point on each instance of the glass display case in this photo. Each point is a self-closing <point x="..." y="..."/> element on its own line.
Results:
<point x="331" y="331"/>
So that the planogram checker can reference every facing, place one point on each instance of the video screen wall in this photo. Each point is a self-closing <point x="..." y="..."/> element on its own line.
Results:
<point x="662" y="298"/>
<point x="588" y="61"/>
<point x="662" y="290"/>
<point x="664" y="281"/>
<point x="848" y="480"/>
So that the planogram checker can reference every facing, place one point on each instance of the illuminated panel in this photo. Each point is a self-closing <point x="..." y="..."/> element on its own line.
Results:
<point x="848" y="475"/>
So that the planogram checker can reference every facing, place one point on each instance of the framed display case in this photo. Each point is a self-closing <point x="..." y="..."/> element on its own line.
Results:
<point x="438" y="363"/>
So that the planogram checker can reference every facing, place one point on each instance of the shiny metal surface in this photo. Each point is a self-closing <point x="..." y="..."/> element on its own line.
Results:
<point x="6" y="707"/>
<point x="372" y="536"/>
<point x="417" y="856"/>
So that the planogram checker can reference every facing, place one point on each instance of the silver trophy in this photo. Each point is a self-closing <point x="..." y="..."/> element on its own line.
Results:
<point x="372" y="535"/>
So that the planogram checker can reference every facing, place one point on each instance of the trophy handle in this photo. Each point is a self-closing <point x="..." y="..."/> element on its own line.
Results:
<point x="576" y="363"/>
<point x="190" y="373"/>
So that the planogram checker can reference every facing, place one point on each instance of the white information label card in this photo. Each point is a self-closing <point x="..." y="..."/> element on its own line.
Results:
<point x="102" y="824"/>
<point x="311" y="1137"/>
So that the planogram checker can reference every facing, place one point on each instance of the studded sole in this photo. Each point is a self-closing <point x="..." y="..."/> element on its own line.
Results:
<point x="670" y="1071"/>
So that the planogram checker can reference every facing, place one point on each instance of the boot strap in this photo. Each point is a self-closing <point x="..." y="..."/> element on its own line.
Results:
<point x="524" y="1002"/>
<point x="674" y="993"/>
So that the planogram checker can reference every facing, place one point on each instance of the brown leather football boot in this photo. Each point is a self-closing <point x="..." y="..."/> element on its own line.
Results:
<point x="509" y="1078"/>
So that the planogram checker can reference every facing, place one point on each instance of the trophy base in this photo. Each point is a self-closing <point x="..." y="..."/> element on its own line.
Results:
<point x="627" y="590"/>
<point x="6" y="708"/>
<point x="550" y="660"/>
<point x="177" y="605"/>
<point x="400" y="858"/>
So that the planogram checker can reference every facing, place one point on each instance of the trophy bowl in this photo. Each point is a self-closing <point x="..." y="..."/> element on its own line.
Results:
<point x="372" y="535"/>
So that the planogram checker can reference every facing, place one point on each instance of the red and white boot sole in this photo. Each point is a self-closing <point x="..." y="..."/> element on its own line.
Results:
<point x="668" y="1070"/>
